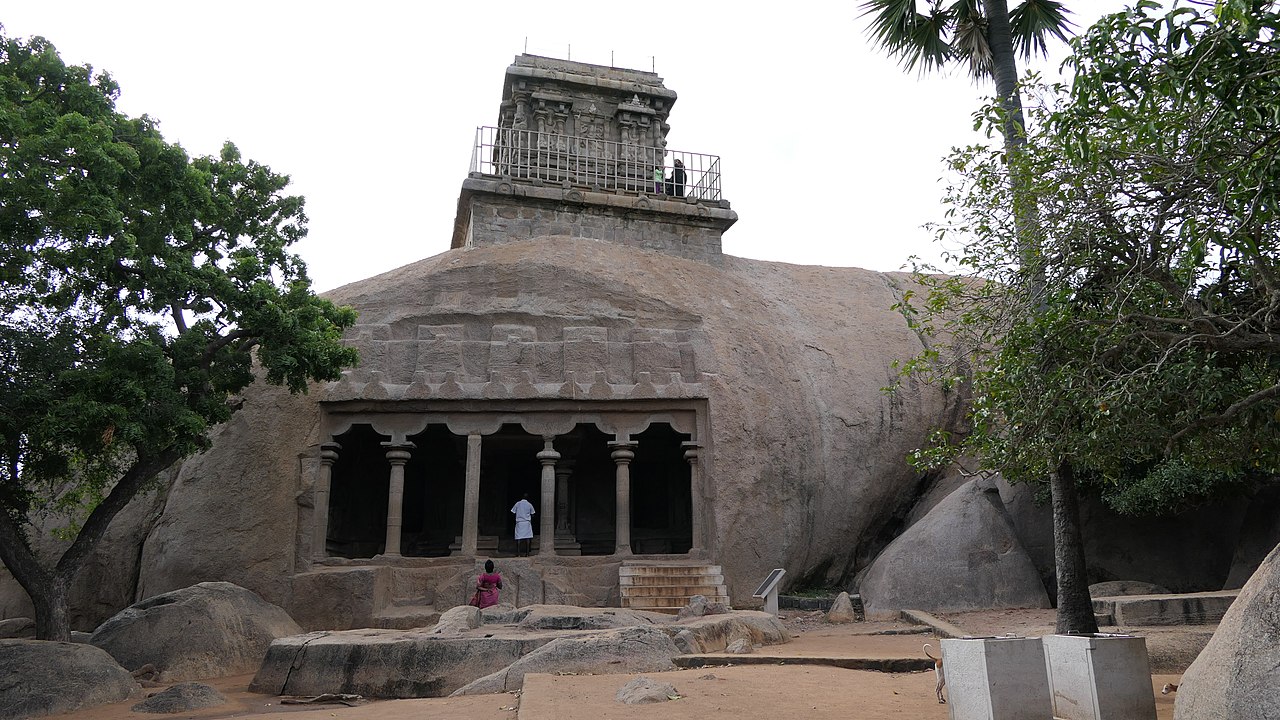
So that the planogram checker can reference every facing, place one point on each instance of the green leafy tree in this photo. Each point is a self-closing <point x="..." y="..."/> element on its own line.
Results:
<point x="1151" y="370"/>
<point x="139" y="288"/>
<point x="988" y="38"/>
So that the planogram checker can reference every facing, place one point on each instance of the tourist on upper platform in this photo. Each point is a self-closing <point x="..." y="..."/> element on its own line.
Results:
<point x="675" y="186"/>
<point x="487" y="587"/>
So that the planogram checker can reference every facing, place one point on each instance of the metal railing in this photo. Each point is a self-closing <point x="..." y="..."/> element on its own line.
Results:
<point x="595" y="164"/>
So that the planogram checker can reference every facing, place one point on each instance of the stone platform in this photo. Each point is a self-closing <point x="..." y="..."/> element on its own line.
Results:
<point x="1202" y="608"/>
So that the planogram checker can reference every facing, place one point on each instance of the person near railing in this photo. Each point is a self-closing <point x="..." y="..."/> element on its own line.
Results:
<point x="675" y="186"/>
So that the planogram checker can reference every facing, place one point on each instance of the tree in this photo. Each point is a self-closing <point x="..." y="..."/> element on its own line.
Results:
<point x="987" y="37"/>
<point x="1151" y="370"/>
<point x="139" y="288"/>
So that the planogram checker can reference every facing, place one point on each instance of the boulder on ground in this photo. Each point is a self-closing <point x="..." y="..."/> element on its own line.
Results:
<point x="1121" y="588"/>
<point x="21" y="627"/>
<point x="40" y="678"/>
<point x="842" y="610"/>
<point x="713" y="633"/>
<point x="699" y="606"/>
<point x="213" y="629"/>
<point x="642" y="690"/>
<point x="1237" y="675"/>
<point x="457" y="620"/>
<point x="181" y="698"/>
<point x="633" y="649"/>
<point x="963" y="555"/>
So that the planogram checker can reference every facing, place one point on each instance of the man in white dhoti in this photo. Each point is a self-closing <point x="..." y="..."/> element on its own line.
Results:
<point x="523" y="510"/>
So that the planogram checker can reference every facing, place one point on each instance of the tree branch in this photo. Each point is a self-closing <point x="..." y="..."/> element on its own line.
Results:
<point x="1235" y="409"/>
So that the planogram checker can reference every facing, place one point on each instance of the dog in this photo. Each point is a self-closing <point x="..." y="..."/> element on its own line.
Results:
<point x="937" y="670"/>
<point x="1168" y="688"/>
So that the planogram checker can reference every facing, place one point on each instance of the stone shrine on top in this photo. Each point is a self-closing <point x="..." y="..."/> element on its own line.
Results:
<point x="581" y="150"/>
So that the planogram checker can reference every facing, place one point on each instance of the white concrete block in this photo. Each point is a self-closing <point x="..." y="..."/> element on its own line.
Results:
<point x="1099" y="677"/>
<point x="996" y="679"/>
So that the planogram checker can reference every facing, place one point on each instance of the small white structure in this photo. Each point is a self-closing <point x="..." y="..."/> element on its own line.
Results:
<point x="769" y="590"/>
<point x="1099" y="677"/>
<point x="996" y="678"/>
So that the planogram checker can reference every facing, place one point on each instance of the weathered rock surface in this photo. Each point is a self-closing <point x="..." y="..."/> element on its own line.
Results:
<point x="40" y="678"/>
<point x="963" y="555"/>
<point x="181" y="698"/>
<point x="204" y="631"/>
<point x="568" y="617"/>
<point x="457" y="620"/>
<point x="626" y="650"/>
<point x="643" y="690"/>
<point x="1237" y="675"/>
<point x="842" y="610"/>
<point x="741" y="646"/>
<point x="22" y="627"/>
<point x="387" y="663"/>
<point x="1118" y="588"/>
<point x="799" y="355"/>
<point x="713" y="633"/>
<point x="698" y="606"/>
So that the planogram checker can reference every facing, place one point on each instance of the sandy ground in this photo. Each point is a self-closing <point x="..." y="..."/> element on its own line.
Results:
<point x="743" y="692"/>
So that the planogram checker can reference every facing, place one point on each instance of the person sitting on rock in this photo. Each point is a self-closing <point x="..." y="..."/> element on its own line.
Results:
<point x="487" y="587"/>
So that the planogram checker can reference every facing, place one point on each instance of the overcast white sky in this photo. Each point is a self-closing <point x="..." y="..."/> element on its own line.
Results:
<point x="831" y="154"/>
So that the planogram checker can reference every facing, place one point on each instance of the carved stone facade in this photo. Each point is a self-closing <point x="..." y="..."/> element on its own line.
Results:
<point x="580" y="150"/>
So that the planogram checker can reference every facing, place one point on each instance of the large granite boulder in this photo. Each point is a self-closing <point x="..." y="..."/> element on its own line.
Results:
<point x="182" y="697"/>
<point x="792" y="358"/>
<point x="40" y="678"/>
<point x="208" y="630"/>
<point x="714" y="633"/>
<point x="626" y="650"/>
<point x="1237" y="675"/>
<point x="387" y="663"/>
<point x="963" y="555"/>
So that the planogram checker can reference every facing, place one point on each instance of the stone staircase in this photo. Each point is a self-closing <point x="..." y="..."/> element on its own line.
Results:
<point x="666" y="586"/>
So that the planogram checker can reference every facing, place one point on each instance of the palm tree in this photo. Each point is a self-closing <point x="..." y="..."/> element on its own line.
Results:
<point x="988" y="38"/>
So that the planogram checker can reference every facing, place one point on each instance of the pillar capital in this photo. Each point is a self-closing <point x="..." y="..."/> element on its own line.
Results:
<point x="548" y="455"/>
<point x="398" y="453"/>
<point x="622" y="452"/>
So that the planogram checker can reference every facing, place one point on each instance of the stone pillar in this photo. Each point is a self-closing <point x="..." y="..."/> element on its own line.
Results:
<point x="547" y="531"/>
<point x="695" y="496"/>
<point x="623" y="453"/>
<point x="471" y="497"/>
<point x="320" y="503"/>
<point x="563" y="470"/>
<point x="397" y="455"/>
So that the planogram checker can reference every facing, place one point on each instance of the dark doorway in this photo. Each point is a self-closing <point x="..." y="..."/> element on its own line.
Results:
<point x="434" y="493"/>
<point x="358" y="495"/>
<point x="509" y="470"/>
<point x="661" y="509"/>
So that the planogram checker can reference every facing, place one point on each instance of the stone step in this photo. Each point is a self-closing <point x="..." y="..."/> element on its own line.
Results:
<point x="673" y="603"/>
<point x="669" y="580"/>
<point x="669" y="570"/>
<point x="678" y="591"/>
<point x="406" y="617"/>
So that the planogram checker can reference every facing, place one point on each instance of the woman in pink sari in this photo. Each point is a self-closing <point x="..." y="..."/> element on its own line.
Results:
<point x="487" y="587"/>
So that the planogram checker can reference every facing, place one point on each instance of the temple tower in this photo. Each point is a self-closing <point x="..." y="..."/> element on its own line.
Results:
<point x="581" y="150"/>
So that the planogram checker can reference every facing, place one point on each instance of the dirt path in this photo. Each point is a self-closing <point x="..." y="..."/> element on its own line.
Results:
<point x="754" y="692"/>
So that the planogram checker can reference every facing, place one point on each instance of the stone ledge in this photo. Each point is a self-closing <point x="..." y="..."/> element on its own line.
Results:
<point x="1153" y="610"/>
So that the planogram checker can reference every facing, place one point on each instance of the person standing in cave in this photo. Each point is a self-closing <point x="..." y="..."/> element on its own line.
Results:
<point x="523" y="510"/>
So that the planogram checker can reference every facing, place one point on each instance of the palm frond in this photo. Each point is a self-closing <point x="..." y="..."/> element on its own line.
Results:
<point x="915" y="39"/>
<point x="970" y="43"/>
<point x="1034" y="21"/>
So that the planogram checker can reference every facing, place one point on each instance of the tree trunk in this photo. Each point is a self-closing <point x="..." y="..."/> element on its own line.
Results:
<point x="1075" y="608"/>
<point x="52" y="619"/>
<point x="48" y="588"/>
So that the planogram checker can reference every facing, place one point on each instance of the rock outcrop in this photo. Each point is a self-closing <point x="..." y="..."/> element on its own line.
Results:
<point x="963" y="555"/>
<point x="204" y="631"/>
<point x="40" y="678"/>
<point x="842" y="610"/>
<point x="1237" y="674"/>
<point x="634" y="649"/>
<point x="643" y="690"/>
<point x="181" y="698"/>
